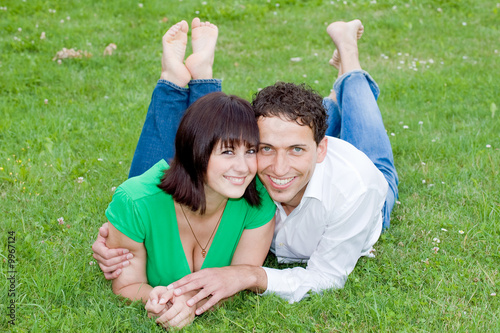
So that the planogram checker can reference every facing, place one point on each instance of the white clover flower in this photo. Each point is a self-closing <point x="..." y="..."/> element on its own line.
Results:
<point x="435" y="249"/>
<point x="488" y="146"/>
<point x="80" y="180"/>
<point x="461" y="232"/>
<point x="406" y="127"/>
<point x="60" y="220"/>
<point x="443" y="229"/>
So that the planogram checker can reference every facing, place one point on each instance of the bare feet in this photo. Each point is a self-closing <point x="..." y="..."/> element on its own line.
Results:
<point x="345" y="36"/>
<point x="174" y="49"/>
<point x="203" y="39"/>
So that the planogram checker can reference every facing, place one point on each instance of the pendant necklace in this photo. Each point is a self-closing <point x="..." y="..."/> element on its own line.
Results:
<point x="203" y="249"/>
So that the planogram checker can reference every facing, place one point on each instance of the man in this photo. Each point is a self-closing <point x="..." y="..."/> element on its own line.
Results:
<point x="333" y="196"/>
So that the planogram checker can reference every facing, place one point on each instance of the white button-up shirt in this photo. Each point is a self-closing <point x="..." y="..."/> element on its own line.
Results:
<point x="338" y="220"/>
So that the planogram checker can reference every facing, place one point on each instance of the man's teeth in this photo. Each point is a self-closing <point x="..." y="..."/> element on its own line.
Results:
<point x="278" y="181"/>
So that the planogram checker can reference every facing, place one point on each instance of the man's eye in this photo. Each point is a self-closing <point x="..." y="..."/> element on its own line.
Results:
<point x="297" y="149"/>
<point x="266" y="149"/>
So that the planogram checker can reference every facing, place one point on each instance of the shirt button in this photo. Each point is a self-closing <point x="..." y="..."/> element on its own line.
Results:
<point x="281" y="244"/>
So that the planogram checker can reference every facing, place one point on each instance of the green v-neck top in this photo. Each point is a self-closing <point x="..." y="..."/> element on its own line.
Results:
<point x="146" y="214"/>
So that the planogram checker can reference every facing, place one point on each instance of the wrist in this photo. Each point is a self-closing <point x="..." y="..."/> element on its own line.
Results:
<point x="257" y="279"/>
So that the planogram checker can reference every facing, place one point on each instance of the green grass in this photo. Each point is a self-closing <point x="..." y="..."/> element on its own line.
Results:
<point x="436" y="62"/>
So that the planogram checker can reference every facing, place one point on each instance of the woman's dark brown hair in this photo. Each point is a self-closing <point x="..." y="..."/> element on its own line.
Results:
<point x="212" y="120"/>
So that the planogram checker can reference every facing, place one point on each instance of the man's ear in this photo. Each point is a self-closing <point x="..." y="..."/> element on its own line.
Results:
<point x="322" y="149"/>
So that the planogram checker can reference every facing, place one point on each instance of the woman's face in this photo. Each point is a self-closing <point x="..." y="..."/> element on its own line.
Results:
<point x="231" y="169"/>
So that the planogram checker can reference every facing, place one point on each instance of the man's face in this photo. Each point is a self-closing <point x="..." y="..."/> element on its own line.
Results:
<point x="286" y="159"/>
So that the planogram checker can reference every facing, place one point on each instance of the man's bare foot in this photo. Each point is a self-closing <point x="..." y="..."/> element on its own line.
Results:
<point x="345" y="36"/>
<point x="203" y="39"/>
<point x="174" y="49"/>
<point x="335" y="60"/>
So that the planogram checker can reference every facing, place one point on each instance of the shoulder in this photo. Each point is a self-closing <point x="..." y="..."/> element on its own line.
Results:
<point x="144" y="185"/>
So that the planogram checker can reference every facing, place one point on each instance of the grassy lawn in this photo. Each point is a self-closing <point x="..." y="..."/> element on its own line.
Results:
<point x="68" y="131"/>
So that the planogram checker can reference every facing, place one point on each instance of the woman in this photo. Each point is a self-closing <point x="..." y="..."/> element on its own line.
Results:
<point x="206" y="210"/>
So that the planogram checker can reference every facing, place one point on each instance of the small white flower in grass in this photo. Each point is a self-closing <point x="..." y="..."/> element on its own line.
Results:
<point x="493" y="294"/>
<point x="316" y="81"/>
<point x="436" y="240"/>
<point x="68" y="18"/>
<point x="435" y="249"/>
<point x="106" y="97"/>
<point x="394" y="7"/>
<point x="443" y="229"/>
<point x="62" y="21"/>
<point x="91" y="263"/>
<point x="440" y="10"/>
<point x="46" y="101"/>
<point x="431" y="61"/>
<point x="113" y="189"/>
<point x="423" y="163"/>
<point x="315" y="54"/>
<point x="465" y="57"/>
<point x="420" y="122"/>
<point x="204" y="3"/>
<point x="19" y="29"/>
<point x="461" y="232"/>
<point x="59" y="61"/>
<point x="464" y="23"/>
<point x="197" y="12"/>
<point x="406" y="127"/>
<point x="120" y="162"/>
<point x="80" y="180"/>
<point x="423" y="181"/>
<point x="277" y="5"/>
<point x="295" y="59"/>
<point x="488" y="146"/>
<point x="304" y="75"/>
<point x="393" y="134"/>
<point x="60" y="220"/>
<point x="443" y="183"/>
<point x="42" y="36"/>
<point x="140" y="5"/>
<point x="398" y="202"/>
<point x="100" y="159"/>
<point x="401" y="123"/>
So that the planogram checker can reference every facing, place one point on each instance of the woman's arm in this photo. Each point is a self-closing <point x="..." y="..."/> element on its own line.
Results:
<point x="132" y="283"/>
<point x="254" y="245"/>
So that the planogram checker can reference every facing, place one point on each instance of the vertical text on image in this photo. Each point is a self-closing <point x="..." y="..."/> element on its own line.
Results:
<point x="11" y="277"/>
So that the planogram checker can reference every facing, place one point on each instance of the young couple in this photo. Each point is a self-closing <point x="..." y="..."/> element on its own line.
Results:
<point x="199" y="231"/>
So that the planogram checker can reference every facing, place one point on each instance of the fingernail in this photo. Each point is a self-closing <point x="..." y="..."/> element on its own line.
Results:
<point x="177" y="292"/>
<point x="126" y="263"/>
<point x="126" y="251"/>
<point x="130" y="256"/>
<point x="170" y="287"/>
<point x="162" y="301"/>
<point x="118" y="271"/>
<point x="190" y="303"/>
<point x="154" y="302"/>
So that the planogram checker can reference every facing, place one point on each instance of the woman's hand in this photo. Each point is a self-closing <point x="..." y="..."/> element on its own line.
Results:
<point x="178" y="314"/>
<point x="160" y="300"/>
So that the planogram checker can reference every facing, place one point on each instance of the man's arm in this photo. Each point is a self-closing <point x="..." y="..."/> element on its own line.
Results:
<point x="244" y="273"/>
<point x="111" y="261"/>
<point x="344" y="241"/>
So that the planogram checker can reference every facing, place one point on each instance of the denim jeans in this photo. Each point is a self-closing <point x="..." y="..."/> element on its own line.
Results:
<point x="168" y="104"/>
<point x="356" y="119"/>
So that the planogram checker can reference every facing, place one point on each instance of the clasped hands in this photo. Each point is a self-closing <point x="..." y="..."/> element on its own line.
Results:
<point x="168" y="309"/>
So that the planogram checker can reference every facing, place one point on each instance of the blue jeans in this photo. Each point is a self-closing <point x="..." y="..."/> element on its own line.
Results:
<point x="356" y="119"/>
<point x="168" y="104"/>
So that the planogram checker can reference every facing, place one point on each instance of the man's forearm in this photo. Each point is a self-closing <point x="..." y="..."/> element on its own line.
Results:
<point x="254" y="278"/>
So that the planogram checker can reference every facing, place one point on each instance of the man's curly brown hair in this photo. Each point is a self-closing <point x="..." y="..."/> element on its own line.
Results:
<point x="289" y="101"/>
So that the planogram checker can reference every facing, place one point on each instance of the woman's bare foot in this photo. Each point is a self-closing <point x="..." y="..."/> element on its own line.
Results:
<point x="345" y="36"/>
<point x="203" y="39"/>
<point x="174" y="49"/>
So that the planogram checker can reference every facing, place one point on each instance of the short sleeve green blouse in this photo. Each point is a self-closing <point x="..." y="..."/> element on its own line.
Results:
<point x="146" y="214"/>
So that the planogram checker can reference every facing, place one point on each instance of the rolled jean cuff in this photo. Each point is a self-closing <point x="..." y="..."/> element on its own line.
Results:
<point x="218" y="82"/>
<point x="172" y="85"/>
<point x="371" y="82"/>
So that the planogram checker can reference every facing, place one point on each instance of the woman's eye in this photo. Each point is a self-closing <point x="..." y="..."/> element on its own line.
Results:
<point x="227" y="152"/>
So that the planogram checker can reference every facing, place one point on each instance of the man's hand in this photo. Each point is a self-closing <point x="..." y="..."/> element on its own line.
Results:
<point x="220" y="283"/>
<point x="111" y="261"/>
<point x="178" y="314"/>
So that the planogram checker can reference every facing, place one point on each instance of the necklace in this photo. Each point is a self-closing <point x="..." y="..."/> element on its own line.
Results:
<point x="203" y="251"/>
